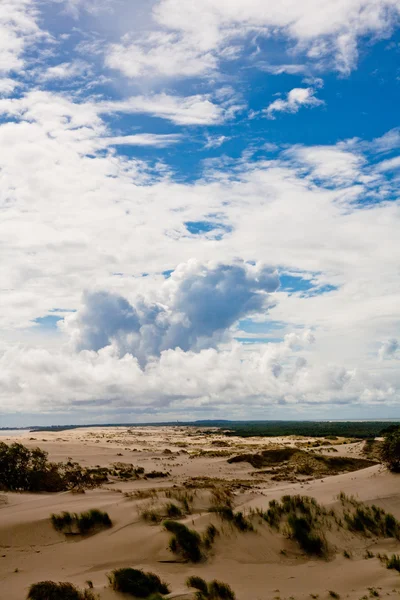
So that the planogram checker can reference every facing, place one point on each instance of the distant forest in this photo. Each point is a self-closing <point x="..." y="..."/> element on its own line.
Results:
<point x="354" y="429"/>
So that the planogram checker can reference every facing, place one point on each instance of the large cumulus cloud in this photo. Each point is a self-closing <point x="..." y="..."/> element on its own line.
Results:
<point x="193" y="309"/>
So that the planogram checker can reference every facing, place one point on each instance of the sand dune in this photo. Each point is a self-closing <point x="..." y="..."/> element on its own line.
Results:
<point x="258" y="565"/>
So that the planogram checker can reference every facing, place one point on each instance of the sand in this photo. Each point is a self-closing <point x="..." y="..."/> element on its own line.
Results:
<point x="252" y="563"/>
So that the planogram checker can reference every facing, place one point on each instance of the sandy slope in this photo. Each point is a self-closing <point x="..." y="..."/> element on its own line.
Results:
<point x="251" y="563"/>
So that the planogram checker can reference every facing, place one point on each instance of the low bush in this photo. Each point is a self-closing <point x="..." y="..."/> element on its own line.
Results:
<point x="137" y="583"/>
<point x="215" y="590"/>
<point x="184" y="542"/>
<point x="82" y="523"/>
<point x="50" y="590"/>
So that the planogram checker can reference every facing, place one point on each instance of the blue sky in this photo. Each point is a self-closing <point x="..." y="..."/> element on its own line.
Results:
<point x="200" y="210"/>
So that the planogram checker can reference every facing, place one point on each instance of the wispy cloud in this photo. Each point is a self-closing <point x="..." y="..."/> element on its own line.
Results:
<point x="295" y="99"/>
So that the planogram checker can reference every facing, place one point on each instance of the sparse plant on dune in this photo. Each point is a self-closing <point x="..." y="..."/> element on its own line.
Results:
<point x="215" y="590"/>
<point x="184" y="541"/>
<point x="209" y="536"/>
<point x="365" y="519"/>
<point x="82" y="523"/>
<point x="50" y="590"/>
<point x="137" y="583"/>
<point x="393" y="562"/>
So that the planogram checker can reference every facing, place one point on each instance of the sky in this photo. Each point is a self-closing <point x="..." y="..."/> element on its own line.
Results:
<point x="200" y="210"/>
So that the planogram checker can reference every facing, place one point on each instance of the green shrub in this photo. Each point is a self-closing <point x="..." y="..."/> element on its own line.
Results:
<point x="184" y="541"/>
<point x="49" y="590"/>
<point x="22" y="469"/>
<point x="137" y="582"/>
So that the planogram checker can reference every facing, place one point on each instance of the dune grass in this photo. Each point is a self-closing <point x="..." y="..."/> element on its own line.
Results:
<point x="215" y="590"/>
<point x="184" y="541"/>
<point x="83" y="523"/>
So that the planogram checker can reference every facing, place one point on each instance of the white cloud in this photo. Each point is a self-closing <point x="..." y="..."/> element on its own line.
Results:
<point x="330" y="163"/>
<point x="143" y="139"/>
<point x="215" y="141"/>
<point x="7" y="86"/>
<point x="391" y="164"/>
<point x="161" y="55"/>
<point x="195" y="308"/>
<point x="181" y="110"/>
<point x="190" y="39"/>
<point x="18" y="29"/>
<point x="295" y="99"/>
<point x="388" y="349"/>
<point x="66" y="70"/>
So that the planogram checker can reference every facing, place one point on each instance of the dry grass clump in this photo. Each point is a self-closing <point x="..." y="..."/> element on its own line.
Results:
<point x="237" y="519"/>
<point x="184" y="542"/>
<point x="303" y="518"/>
<point x="50" y="590"/>
<point x="83" y="523"/>
<point x="391" y="562"/>
<point x="126" y="471"/>
<point x="215" y="590"/>
<point x="137" y="583"/>
<point x="365" y="519"/>
<point x="185" y="498"/>
<point x="141" y="494"/>
<point x="155" y="516"/>
<point x="209" y="536"/>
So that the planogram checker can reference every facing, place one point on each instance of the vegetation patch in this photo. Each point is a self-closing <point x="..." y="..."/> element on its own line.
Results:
<point x="368" y="520"/>
<point x="303" y="519"/>
<point x="157" y="474"/>
<point x="137" y="583"/>
<point x="49" y="590"/>
<point x="235" y="518"/>
<point x="293" y="461"/>
<point x="22" y="469"/>
<point x="184" y="542"/>
<point x="215" y="590"/>
<point x="83" y="523"/>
